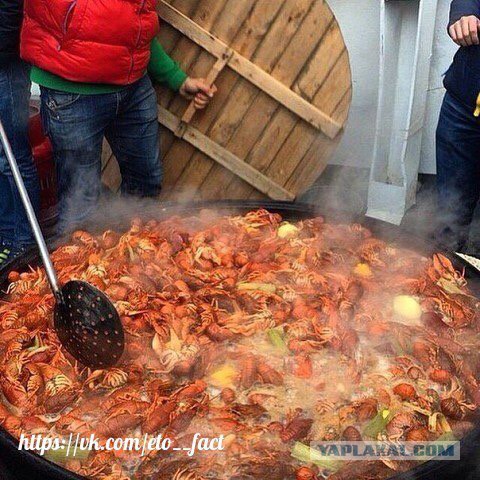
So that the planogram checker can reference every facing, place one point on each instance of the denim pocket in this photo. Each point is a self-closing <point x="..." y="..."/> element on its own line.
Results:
<point x="56" y="100"/>
<point x="59" y="106"/>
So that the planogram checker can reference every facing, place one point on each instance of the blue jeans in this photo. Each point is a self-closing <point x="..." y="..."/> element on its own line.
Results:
<point x="76" y="125"/>
<point x="458" y="171"/>
<point x="14" y="113"/>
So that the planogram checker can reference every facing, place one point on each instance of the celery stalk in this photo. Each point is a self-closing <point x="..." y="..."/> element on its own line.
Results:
<point x="60" y="455"/>
<point x="377" y="424"/>
<point x="447" y="434"/>
<point x="276" y="339"/>
<point x="397" y="347"/>
<point x="263" y="287"/>
<point x="447" y="437"/>
<point x="444" y="423"/>
<point x="307" y="454"/>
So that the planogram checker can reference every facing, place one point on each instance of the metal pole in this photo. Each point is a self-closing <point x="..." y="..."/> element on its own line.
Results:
<point x="32" y="218"/>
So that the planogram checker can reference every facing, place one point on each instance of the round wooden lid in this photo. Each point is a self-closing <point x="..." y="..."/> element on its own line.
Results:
<point x="284" y="90"/>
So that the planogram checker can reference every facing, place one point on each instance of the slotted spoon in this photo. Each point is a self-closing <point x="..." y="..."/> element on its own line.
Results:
<point x="86" y="321"/>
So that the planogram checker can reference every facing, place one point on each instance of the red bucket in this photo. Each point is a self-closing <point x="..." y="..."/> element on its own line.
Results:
<point x="43" y="157"/>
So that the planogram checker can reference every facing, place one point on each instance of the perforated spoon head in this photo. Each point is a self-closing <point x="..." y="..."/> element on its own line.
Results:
<point x="88" y="325"/>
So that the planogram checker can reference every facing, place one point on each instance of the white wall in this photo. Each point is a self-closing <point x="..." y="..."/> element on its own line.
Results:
<point x="359" y="22"/>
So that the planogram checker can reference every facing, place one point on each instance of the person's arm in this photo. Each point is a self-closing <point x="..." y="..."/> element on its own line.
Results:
<point x="165" y="70"/>
<point x="464" y="22"/>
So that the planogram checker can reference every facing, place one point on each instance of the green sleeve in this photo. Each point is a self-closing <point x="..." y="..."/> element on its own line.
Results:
<point x="164" y="69"/>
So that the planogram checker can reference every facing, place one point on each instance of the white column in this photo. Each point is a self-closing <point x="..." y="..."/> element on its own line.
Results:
<point x="406" y="40"/>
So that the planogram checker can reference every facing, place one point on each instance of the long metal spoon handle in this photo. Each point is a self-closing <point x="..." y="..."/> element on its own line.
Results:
<point x="32" y="218"/>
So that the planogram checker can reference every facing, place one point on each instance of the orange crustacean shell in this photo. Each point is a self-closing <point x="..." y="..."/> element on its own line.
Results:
<point x="405" y="391"/>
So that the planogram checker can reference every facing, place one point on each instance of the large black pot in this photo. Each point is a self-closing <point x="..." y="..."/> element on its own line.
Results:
<point x="21" y="465"/>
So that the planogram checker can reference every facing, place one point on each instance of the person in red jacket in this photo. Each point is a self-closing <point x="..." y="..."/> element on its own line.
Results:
<point x="91" y="60"/>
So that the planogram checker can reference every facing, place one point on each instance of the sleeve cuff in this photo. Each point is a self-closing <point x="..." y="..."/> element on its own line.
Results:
<point x="456" y="17"/>
<point x="463" y="9"/>
<point x="177" y="79"/>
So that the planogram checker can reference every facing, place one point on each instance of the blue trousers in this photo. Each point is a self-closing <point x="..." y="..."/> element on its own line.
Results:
<point x="458" y="171"/>
<point x="14" y="113"/>
<point x="76" y="125"/>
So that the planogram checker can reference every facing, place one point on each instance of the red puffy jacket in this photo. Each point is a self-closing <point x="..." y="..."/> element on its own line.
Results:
<point x="92" y="41"/>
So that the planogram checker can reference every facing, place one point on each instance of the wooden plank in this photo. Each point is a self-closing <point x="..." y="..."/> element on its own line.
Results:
<point x="203" y="12"/>
<point x="111" y="176"/>
<point x="226" y="158"/>
<point x="199" y="166"/>
<point x="243" y="95"/>
<point x="226" y="28"/>
<point x="255" y="23"/>
<point x="223" y="26"/>
<point x="246" y="41"/>
<point x="255" y="74"/>
<point x="313" y="163"/>
<point x="171" y="39"/>
<point x="276" y="154"/>
<point x="260" y="119"/>
<point x="300" y="139"/>
<point x="336" y="84"/>
<point x="260" y="20"/>
<point x="106" y="153"/>
<point x="190" y="29"/>
<point x="210" y="79"/>
<point x="231" y="20"/>
<point x="303" y="140"/>
<point x="197" y="63"/>
<point x="251" y="72"/>
<point x="243" y="170"/>
<point x="279" y="36"/>
<point x="343" y="108"/>
<point x="228" y="20"/>
<point x="308" y="38"/>
<point x="319" y="66"/>
<point x="166" y="139"/>
<point x="285" y="96"/>
<point x="316" y="159"/>
<point x="170" y="36"/>
<point x="186" y="52"/>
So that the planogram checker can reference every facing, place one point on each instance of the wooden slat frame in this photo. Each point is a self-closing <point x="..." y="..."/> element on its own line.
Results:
<point x="220" y="64"/>
<point x="287" y="67"/>
<point x="248" y="70"/>
<point x="224" y="157"/>
<point x="181" y="155"/>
